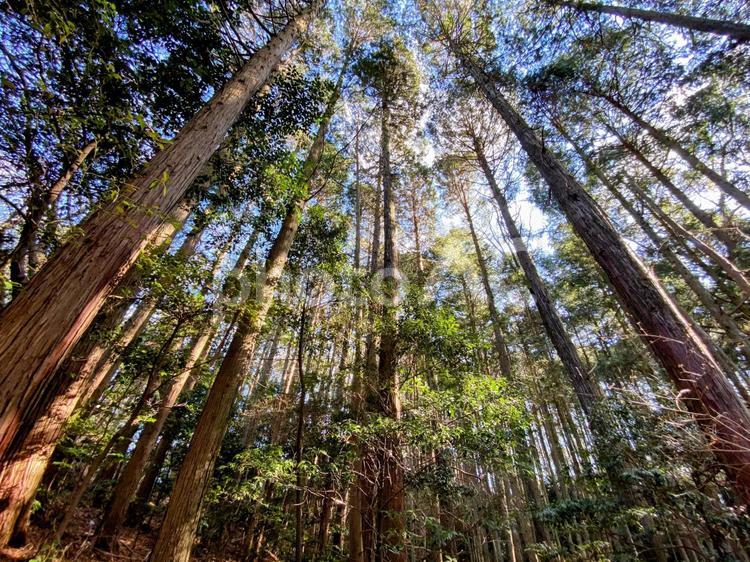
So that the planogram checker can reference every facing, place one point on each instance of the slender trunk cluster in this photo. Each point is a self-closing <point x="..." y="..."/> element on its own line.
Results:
<point x="688" y="360"/>
<point x="42" y="325"/>
<point x="181" y="521"/>
<point x="724" y="184"/>
<point x="501" y="349"/>
<point x="737" y="31"/>
<point x="586" y="391"/>
<point x="77" y="381"/>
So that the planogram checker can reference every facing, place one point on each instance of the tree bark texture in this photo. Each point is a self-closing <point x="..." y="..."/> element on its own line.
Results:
<point x="41" y="326"/>
<point x="687" y="359"/>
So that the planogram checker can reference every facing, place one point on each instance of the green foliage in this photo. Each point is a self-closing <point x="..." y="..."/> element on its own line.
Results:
<point x="476" y="417"/>
<point x="320" y="241"/>
<point x="486" y="459"/>
<point x="389" y="69"/>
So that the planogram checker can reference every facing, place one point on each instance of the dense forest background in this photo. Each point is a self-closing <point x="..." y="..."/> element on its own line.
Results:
<point x="424" y="280"/>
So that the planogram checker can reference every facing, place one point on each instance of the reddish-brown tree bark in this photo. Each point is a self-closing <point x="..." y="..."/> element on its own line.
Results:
<point x="687" y="359"/>
<point x="181" y="521"/>
<point x="29" y="454"/>
<point x="391" y="525"/>
<point x="40" y="327"/>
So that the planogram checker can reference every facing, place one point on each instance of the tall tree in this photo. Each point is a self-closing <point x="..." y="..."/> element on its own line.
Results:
<point x="62" y="300"/>
<point x="686" y="358"/>
<point x="181" y="521"/>
<point x="735" y="30"/>
<point x="389" y="72"/>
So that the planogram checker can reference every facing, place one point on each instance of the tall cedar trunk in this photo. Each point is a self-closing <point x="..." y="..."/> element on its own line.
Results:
<point x="586" y="392"/>
<point x="737" y="31"/>
<point x="31" y="451"/>
<point x="326" y="514"/>
<point x="663" y="246"/>
<point x="356" y="391"/>
<point x="688" y="157"/>
<point x="353" y="513"/>
<point x="127" y="483"/>
<point x="679" y="231"/>
<point x="704" y="296"/>
<point x="361" y="520"/>
<point x="103" y="360"/>
<point x="500" y="346"/>
<point x="687" y="360"/>
<point x="93" y="362"/>
<point x="41" y="326"/>
<point x="23" y="470"/>
<point x="390" y="516"/>
<point x="181" y="521"/>
<point x="40" y="203"/>
<point x="610" y="449"/>
<point x="359" y="514"/>
<point x="156" y="463"/>
<point x="371" y="352"/>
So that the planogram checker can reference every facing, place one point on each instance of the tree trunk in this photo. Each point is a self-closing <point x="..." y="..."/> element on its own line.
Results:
<point x="38" y="206"/>
<point x="360" y="514"/>
<point x="100" y="360"/>
<point x="500" y="346"/>
<point x="326" y="515"/>
<point x="684" y="356"/>
<point x="181" y="521"/>
<point x="41" y="326"/>
<point x="126" y="431"/>
<point x="415" y="226"/>
<point x="391" y="524"/>
<point x="299" y="542"/>
<point x="146" y="486"/>
<point x="738" y="31"/>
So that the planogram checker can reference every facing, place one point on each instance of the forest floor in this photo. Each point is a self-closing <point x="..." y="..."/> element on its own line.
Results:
<point x="133" y="544"/>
